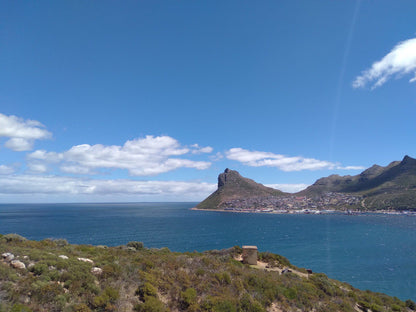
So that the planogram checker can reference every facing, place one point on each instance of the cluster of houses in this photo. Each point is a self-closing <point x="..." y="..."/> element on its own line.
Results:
<point x="295" y="204"/>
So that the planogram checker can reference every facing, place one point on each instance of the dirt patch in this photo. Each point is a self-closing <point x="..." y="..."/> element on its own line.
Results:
<point x="264" y="266"/>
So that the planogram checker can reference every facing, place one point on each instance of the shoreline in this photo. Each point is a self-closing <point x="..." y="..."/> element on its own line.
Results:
<point x="313" y="212"/>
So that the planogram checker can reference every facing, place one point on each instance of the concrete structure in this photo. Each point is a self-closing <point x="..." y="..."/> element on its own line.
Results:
<point x="250" y="255"/>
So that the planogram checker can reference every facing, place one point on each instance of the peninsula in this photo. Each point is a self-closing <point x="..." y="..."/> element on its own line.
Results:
<point x="388" y="189"/>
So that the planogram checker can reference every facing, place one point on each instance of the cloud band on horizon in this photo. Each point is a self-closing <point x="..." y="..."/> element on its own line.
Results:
<point x="282" y="162"/>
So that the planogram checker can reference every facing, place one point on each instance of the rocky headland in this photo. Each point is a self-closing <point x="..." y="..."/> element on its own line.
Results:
<point x="388" y="189"/>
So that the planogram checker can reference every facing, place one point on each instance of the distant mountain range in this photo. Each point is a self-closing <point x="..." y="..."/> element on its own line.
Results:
<point x="378" y="188"/>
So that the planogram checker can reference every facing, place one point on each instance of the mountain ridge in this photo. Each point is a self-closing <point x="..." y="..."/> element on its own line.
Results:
<point x="392" y="187"/>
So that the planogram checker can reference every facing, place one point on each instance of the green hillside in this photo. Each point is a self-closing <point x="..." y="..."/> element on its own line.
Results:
<point x="52" y="275"/>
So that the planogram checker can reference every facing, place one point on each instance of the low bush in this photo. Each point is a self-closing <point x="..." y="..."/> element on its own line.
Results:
<point x="107" y="298"/>
<point x="13" y="238"/>
<point x="151" y="304"/>
<point x="146" y="290"/>
<point x="136" y="245"/>
<point x="188" y="298"/>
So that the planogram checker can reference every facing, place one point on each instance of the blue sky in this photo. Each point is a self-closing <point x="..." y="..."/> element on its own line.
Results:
<point x="151" y="100"/>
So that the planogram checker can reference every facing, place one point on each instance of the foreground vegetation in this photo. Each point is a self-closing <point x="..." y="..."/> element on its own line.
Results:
<point x="58" y="276"/>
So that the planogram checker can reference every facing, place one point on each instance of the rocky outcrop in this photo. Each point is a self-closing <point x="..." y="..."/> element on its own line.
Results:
<point x="17" y="264"/>
<point x="7" y="256"/>
<point x="86" y="260"/>
<point x="96" y="271"/>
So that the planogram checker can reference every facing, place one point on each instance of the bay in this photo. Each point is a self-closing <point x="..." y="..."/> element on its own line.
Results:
<point x="372" y="251"/>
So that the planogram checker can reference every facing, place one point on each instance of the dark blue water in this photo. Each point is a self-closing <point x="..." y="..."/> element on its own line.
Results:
<point x="376" y="252"/>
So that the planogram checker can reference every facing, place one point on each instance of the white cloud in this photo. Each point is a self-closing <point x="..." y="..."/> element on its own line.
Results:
<point x="284" y="163"/>
<point x="6" y="169"/>
<point x="21" y="133"/>
<point x="290" y="188"/>
<point x="218" y="156"/>
<point x="36" y="167"/>
<point x="141" y="157"/>
<point x="351" y="168"/>
<point x="19" y="144"/>
<point x="90" y="188"/>
<point x="50" y="157"/>
<point x="76" y="169"/>
<point x="201" y="150"/>
<point x="400" y="61"/>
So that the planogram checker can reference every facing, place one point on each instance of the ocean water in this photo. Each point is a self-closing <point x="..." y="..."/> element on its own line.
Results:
<point x="376" y="252"/>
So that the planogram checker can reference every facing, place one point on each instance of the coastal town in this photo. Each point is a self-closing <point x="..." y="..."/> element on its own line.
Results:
<point x="325" y="203"/>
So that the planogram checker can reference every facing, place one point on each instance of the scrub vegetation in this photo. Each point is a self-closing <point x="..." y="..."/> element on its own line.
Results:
<point x="58" y="276"/>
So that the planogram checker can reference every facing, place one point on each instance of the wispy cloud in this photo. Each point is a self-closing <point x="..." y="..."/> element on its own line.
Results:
<point x="400" y="61"/>
<point x="146" y="156"/>
<point x="6" y="169"/>
<point x="55" y="185"/>
<point x="196" y="149"/>
<point x="290" y="188"/>
<point x="21" y="133"/>
<point x="282" y="162"/>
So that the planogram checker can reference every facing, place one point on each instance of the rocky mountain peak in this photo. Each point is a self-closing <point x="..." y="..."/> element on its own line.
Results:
<point x="227" y="177"/>
<point x="233" y="186"/>
<point x="408" y="161"/>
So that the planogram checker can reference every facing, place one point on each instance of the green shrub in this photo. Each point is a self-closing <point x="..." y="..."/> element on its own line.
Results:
<point x="364" y="305"/>
<point x="410" y="304"/>
<point x="376" y="308"/>
<point x="322" y="282"/>
<point x="146" y="290"/>
<point x="237" y="250"/>
<point x="223" y="278"/>
<point x="60" y="242"/>
<point x="248" y="304"/>
<point x="39" y="268"/>
<point x="200" y="272"/>
<point x="224" y="305"/>
<point x="108" y="297"/>
<point x="47" y="293"/>
<point x="135" y="245"/>
<point x="290" y="293"/>
<point x="14" y="238"/>
<point x="151" y="304"/>
<point x="218" y="304"/>
<point x="6" y="273"/>
<point x="109" y="270"/>
<point x="188" y="298"/>
<point x="396" y="307"/>
<point x="20" y="308"/>
<point x="82" y="307"/>
<point x="272" y="258"/>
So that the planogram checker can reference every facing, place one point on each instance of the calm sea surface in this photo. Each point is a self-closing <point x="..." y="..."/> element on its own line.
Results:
<point x="375" y="252"/>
